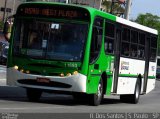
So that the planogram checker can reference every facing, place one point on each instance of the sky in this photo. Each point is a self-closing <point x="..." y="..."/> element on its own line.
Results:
<point x="144" y="6"/>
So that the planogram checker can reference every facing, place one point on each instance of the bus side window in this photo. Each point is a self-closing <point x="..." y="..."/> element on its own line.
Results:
<point x="96" y="41"/>
<point x="134" y="44"/>
<point x="125" y="42"/>
<point x="125" y="49"/>
<point x="109" y="38"/>
<point x="141" y="45"/>
<point x="153" y="48"/>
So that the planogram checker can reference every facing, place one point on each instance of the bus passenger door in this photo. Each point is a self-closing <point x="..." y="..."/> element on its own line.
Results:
<point x="117" y="59"/>
<point x="95" y="50"/>
<point x="147" y="58"/>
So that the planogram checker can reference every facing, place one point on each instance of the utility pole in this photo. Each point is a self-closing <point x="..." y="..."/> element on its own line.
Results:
<point x="4" y="14"/>
<point x="67" y="1"/>
<point x="112" y="3"/>
<point x="127" y="9"/>
<point x="13" y="7"/>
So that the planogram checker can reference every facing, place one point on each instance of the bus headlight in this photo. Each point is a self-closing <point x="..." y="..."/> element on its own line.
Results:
<point x="75" y="72"/>
<point x="62" y="75"/>
<point x="16" y="67"/>
<point x="22" y="70"/>
<point x="27" y="72"/>
<point x="69" y="74"/>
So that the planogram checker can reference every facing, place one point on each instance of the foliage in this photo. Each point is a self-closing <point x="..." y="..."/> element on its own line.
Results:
<point x="148" y="20"/>
<point x="1" y="24"/>
<point x="152" y="21"/>
<point x="114" y="8"/>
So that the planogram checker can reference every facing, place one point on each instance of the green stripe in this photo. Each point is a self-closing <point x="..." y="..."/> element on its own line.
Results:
<point x="135" y="76"/>
<point x="151" y="77"/>
<point x="128" y="75"/>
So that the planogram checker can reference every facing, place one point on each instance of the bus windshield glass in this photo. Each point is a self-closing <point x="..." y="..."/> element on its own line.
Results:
<point x="50" y="40"/>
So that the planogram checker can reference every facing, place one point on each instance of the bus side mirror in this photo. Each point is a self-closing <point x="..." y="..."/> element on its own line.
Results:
<point x="7" y="29"/>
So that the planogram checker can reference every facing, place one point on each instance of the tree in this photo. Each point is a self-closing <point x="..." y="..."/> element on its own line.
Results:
<point x="148" y="20"/>
<point x="113" y="8"/>
<point x="152" y="21"/>
<point x="1" y="25"/>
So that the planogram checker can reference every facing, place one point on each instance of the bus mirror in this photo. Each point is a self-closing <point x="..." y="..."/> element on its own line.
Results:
<point x="8" y="27"/>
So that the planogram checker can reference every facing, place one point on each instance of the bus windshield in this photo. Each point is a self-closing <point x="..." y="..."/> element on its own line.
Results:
<point x="50" y="40"/>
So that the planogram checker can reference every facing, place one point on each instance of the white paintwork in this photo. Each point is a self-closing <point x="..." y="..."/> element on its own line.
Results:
<point x="142" y="84"/>
<point x="135" y="25"/>
<point x="78" y="82"/>
<point x="135" y="66"/>
<point x="152" y="69"/>
<point x="126" y="85"/>
<point x="150" y="85"/>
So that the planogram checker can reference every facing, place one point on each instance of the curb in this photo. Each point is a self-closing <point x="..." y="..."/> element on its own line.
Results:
<point x="3" y="66"/>
<point x="158" y="79"/>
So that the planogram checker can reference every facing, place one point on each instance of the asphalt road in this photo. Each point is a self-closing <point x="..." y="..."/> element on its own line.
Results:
<point x="13" y="100"/>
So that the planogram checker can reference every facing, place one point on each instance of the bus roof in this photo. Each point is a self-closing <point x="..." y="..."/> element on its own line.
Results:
<point x="106" y="15"/>
<point x="136" y="25"/>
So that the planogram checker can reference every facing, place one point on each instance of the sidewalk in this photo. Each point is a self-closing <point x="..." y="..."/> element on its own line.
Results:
<point x="2" y="75"/>
<point x="158" y="79"/>
<point x="3" y="82"/>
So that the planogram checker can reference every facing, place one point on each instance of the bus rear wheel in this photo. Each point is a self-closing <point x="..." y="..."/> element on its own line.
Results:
<point x="33" y="95"/>
<point x="133" y="98"/>
<point x="97" y="98"/>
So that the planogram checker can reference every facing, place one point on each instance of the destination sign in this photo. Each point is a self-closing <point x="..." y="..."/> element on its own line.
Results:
<point x="53" y="11"/>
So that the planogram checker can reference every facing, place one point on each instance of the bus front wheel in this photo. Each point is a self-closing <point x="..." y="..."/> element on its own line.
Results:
<point x="97" y="98"/>
<point x="33" y="95"/>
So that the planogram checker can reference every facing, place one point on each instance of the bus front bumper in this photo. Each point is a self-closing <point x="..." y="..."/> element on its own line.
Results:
<point x="73" y="83"/>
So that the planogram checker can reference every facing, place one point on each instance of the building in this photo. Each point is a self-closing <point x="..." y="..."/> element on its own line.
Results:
<point x="11" y="6"/>
<point x="91" y="3"/>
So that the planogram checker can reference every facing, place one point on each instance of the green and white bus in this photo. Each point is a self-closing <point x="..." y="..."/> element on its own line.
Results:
<point x="80" y="50"/>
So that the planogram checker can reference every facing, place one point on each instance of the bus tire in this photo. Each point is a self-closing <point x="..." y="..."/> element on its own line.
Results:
<point x="133" y="98"/>
<point x="136" y="95"/>
<point x="95" y="99"/>
<point x="33" y="95"/>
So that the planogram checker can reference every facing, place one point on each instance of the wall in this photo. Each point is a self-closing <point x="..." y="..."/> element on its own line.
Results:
<point x="10" y="4"/>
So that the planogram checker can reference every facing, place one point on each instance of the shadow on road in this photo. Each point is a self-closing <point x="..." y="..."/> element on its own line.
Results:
<point x="18" y="94"/>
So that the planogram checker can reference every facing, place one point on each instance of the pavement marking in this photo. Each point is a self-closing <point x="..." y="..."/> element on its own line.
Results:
<point x="29" y="108"/>
<point x="2" y="69"/>
<point x="3" y="82"/>
<point x="2" y="66"/>
<point x="2" y="79"/>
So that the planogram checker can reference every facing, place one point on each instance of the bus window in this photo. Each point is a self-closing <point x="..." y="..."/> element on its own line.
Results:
<point x="153" y="48"/>
<point x="96" y="39"/>
<point x="141" y="44"/>
<point x="141" y="52"/>
<point x="109" y="37"/>
<point x="134" y="44"/>
<point x="50" y="40"/>
<point x="125" y="49"/>
<point x="125" y="42"/>
<point x="109" y="30"/>
<point x="126" y="34"/>
<point x="141" y="40"/>
<point x="134" y="36"/>
<point x="133" y="50"/>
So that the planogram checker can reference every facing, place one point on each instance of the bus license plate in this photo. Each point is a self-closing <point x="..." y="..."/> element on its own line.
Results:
<point x="43" y="80"/>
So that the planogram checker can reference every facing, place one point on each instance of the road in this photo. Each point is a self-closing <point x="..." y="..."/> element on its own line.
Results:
<point x="13" y="99"/>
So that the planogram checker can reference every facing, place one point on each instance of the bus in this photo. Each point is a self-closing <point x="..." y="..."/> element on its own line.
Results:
<point x="82" y="51"/>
